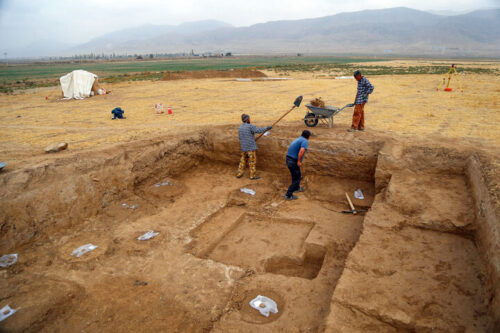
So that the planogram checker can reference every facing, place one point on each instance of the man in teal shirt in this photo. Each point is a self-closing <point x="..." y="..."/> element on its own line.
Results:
<point x="294" y="157"/>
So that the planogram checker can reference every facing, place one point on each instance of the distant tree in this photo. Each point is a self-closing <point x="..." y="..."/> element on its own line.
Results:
<point x="229" y="54"/>
<point x="139" y="57"/>
<point x="151" y="56"/>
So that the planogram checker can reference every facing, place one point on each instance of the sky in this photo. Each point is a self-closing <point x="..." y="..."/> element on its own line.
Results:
<point x="23" y="22"/>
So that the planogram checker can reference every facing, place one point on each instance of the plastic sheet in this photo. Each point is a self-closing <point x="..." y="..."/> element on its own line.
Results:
<point x="84" y="249"/>
<point x="165" y="183"/>
<point x="8" y="260"/>
<point x="148" y="235"/>
<point x="247" y="191"/>
<point x="6" y="312"/>
<point x="358" y="194"/>
<point x="264" y="304"/>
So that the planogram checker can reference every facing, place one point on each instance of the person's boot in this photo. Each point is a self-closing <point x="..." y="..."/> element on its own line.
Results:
<point x="255" y="177"/>
<point x="292" y="197"/>
<point x="301" y="189"/>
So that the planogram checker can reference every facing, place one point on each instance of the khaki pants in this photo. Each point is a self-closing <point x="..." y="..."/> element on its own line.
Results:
<point x="251" y="157"/>
<point x="358" y="117"/>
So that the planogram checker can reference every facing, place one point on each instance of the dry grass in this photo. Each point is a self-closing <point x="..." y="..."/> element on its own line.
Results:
<point x="401" y="103"/>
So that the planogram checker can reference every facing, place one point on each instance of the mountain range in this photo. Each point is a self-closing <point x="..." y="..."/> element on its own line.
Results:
<point x="396" y="31"/>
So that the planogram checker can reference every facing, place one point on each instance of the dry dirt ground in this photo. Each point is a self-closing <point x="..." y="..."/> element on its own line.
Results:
<point x="425" y="257"/>
<point x="407" y="104"/>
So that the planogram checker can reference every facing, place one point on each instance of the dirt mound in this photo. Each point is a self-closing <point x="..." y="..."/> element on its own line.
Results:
<point x="207" y="74"/>
<point x="317" y="102"/>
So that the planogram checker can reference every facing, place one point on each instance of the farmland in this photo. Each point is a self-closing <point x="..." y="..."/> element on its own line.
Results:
<point x="50" y="70"/>
<point x="42" y="74"/>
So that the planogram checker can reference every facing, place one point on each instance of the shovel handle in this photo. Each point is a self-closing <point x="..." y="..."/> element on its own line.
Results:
<point x="277" y="121"/>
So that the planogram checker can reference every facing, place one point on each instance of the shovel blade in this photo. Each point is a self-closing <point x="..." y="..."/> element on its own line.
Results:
<point x="298" y="100"/>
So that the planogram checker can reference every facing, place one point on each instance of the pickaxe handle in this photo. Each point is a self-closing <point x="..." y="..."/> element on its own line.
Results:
<point x="354" y="212"/>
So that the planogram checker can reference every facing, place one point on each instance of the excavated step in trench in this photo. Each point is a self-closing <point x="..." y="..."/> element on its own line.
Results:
<point x="411" y="263"/>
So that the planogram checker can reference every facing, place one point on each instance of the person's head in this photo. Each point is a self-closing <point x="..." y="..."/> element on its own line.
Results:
<point x="245" y="118"/>
<point x="357" y="75"/>
<point x="306" y="134"/>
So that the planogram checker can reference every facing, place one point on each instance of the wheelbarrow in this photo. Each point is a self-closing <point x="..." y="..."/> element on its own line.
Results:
<point x="326" y="114"/>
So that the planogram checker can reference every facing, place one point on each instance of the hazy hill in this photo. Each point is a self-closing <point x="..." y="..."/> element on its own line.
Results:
<point x="401" y="31"/>
<point x="115" y="41"/>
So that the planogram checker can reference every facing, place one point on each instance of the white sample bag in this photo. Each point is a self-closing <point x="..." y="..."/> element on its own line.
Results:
<point x="6" y="312"/>
<point x="264" y="305"/>
<point x="148" y="235"/>
<point x="358" y="194"/>
<point x="8" y="260"/>
<point x="83" y="249"/>
<point x="247" y="191"/>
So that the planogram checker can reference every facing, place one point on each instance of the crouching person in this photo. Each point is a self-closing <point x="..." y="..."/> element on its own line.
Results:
<point x="246" y="134"/>
<point x="294" y="157"/>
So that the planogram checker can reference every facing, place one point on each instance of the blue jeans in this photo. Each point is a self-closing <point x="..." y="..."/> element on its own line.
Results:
<point x="291" y="163"/>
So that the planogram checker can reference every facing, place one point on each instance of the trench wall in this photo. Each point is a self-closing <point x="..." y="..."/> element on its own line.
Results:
<point x="70" y="188"/>
<point x="338" y="159"/>
<point x="488" y="232"/>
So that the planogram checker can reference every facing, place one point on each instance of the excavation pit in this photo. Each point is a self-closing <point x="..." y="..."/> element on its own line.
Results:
<point x="419" y="259"/>
<point x="265" y="245"/>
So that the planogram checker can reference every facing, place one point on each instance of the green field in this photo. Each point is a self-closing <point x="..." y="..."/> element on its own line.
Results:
<point x="30" y="75"/>
<point x="38" y="71"/>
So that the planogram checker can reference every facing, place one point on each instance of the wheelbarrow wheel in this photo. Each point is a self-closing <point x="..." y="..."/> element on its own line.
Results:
<point x="311" y="120"/>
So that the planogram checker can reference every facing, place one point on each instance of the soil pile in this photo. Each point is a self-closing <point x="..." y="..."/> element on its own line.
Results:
<point x="207" y="74"/>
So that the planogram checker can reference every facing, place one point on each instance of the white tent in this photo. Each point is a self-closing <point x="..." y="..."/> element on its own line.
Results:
<point x="77" y="84"/>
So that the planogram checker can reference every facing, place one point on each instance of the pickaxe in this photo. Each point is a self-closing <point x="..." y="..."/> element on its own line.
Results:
<point x="296" y="104"/>
<point x="353" y="211"/>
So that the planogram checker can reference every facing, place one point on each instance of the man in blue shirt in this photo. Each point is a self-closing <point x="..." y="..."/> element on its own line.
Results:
<point x="246" y="133"/>
<point x="364" y="89"/>
<point x="294" y="157"/>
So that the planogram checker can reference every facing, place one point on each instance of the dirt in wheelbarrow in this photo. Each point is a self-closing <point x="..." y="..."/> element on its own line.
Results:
<point x="318" y="102"/>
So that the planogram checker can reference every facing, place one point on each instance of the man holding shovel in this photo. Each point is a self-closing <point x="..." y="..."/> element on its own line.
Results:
<point x="248" y="146"/>
<point x="364" y="89"/>
<point x="294" y="157"/>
